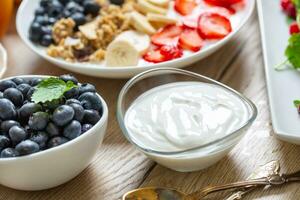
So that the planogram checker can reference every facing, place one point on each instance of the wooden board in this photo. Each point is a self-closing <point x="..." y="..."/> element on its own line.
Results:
<point x="118" y="167"/>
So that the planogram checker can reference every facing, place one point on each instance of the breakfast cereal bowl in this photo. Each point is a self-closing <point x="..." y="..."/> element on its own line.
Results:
<point x="153" y="123"/>
<point x="25" y="16"/>
<point x="54" y="166"/>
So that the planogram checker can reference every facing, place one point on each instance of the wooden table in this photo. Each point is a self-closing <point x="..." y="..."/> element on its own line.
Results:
<point x="119" y="167"/>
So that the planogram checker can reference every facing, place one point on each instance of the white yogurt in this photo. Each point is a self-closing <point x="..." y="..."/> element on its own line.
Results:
<point x="183" y="115"/>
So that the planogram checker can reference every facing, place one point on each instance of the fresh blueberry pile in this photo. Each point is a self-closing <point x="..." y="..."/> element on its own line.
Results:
<point x="27" y="127"/>
<point x="51" y="11"/>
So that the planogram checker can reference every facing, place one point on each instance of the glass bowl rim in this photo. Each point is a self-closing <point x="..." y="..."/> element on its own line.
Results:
<point x="222" y="140"/>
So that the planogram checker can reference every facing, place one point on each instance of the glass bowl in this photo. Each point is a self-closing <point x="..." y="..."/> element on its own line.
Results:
<point x="192" y="159"/>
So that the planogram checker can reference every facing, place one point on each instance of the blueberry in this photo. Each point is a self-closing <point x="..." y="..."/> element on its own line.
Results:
<point x="64" y="2"/>
<point x="14" y="95"/>
<point x="52" y="129"/>
<point x="47" y="30"/>
<point x="28" y="109"/>
<point x="42" y="20"/>
<point x="4" y="142"/>
<point x="63" y="115"/>
<point x="35" y="31"/>
<point x="78" y="1"/>
<point x="7" y="109"/>
<point x="38" y="121"/>
<point x="70" y="101"/>
<point x="44" y="3"/>
<point x="9" y="152"/>
<point x="72" y="130"/>
<point x="24" y="88"/>
<point x="56" y="141"/>
<point x="79" y="18"/>
<point x="17" y="134"/>
<point x="91" y="7"/>
<point x="46" y="40"/>
<point x="7" y="84"/>
<point x="27" y="147"/>
<point x="34" y="81"/>
<point x="91" y="100"/>
<point x="52" y="21"/>
<point x="68" y="77"/>
<point x="73" y="7"/>
<point x="18" y="80"/>
<point x="79" y="111"/>
<point x="29" y="93"/>
<point x="39" y="11"/>
<point x="91" y="116"/>
<point x="86" y="87"/>
<point x="117" y="2"/>
<point x="72" y="93"/>
<point x="55" y="9"/>
<point x="6" y="125"/>
<point x="86" y="127"/>
<point x="40" y="138"/>
<point x="66" y="13"/>
<point x="1" y="95"/>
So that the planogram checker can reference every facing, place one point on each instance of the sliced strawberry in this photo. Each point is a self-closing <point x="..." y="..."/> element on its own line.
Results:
<point x="185" y="7"/>
<point x="190" y="40"/>
<point x="155" y="56"/>
<point x="171" y="52"/>
<point x="190" y="21"/>
<point x="213" y="26"/>
<point x="294" y="28"/>
<point x="167" y="36"/>
<point x="223" y="3"/>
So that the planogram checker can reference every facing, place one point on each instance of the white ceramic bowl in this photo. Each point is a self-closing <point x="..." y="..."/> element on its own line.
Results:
<point x="192" y="159"/>
<point x="3" y="60"/>
<point x="25" y="16"/>
<point x="55" y="166"/>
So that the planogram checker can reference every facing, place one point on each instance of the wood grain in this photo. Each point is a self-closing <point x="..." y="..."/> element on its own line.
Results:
<point x="118" y="167"/>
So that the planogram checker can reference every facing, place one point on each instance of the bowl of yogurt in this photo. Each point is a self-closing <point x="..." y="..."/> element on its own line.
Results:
<point x="182" y="120"/>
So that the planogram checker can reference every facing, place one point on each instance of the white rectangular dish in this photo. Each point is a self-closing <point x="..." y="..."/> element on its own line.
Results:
<point x="283" y="86"/>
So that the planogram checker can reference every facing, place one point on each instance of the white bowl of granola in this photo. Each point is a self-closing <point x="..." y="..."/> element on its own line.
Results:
<point x="123" y="40"/>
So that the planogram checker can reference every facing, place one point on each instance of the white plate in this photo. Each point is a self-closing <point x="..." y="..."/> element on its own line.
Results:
<point x="25" y="16"/>
<point x="283" y="86"/>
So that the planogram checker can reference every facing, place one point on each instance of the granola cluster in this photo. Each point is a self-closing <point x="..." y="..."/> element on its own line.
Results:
<point x="90" y="41"/>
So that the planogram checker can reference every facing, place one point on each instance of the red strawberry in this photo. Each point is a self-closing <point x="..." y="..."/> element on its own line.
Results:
<point x="185" y="7"/>
<point x="167" y="36"/>
<point x="284" y="4"/>
<point x="213" y="26"/>
<point x="171" y="52"/>
<point x="190" y="21"/>
<point x="190" y="40"/>
<point x="294" y="28"/>
<point x="155" y="56"/>
<point x="223" y="3"/>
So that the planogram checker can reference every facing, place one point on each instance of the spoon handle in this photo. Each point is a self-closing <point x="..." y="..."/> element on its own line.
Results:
<point x="242" y="184"/>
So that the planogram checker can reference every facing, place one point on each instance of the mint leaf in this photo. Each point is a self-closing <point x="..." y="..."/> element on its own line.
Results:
<point x="51" y="89"/>
<point x="297" y="103"/>
<point x="292" y="51"/>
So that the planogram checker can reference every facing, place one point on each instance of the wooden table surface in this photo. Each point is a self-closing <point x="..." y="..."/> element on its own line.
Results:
<point x="118" y="167"/>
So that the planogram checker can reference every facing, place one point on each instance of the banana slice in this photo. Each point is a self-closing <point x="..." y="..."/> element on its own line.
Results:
<point x="146" y="7"/>
<point x="161" y="3"/>
<point x="139" y="40"/>
<point x="121" y="53"/>
<point x="160" y="18"/>
<point x="140" y="23"/>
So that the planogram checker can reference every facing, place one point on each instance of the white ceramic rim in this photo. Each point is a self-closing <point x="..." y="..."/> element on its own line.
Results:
<point x="100" y="123"/>
<point x="128" y="68"/>
<point x="3" y="65"/>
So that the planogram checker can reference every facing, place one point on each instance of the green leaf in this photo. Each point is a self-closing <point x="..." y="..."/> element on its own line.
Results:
<point x="292" y="51"/>
<point x="297" y="103"/>
<point x="51" y="89"/>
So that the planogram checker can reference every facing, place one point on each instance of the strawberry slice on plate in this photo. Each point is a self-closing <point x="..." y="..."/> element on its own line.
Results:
<point x="223" y="3"/>
<point x="167" y="36"/>
<point x="213" y="26"/>
<point x="190" y="40"/>
<point x="185" y="7"/>
<point x="154" y="56"/>
<point x="171" y="52"/>
<point x="190" y="21"/>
